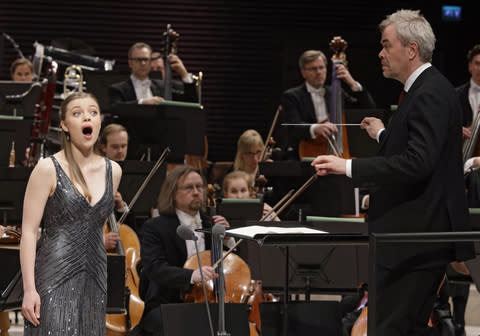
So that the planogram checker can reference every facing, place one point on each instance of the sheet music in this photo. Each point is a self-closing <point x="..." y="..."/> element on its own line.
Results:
<point x="253" y="230"/>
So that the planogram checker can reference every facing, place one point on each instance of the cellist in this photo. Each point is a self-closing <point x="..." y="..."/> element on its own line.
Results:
<point x="308" y="103"/>
<point x="114" y="145"/>
<point x="181" y="201"/>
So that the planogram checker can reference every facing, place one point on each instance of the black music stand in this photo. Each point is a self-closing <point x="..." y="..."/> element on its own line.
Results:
<point x="11" y="287"/>
<point x="288" y="241"/>
<point x="331" y="195"/>
<point x="238" y="211"/>
<point x="359" y="142"/>
<point x="14" y="183"/>
<point x="98" y="83"/>
<point x="19" y="98"/>
<point x="179" y="125"/>
<point x="133" y="175"/>
<point x="176" y="315"/>
<point x="14" y="129"/>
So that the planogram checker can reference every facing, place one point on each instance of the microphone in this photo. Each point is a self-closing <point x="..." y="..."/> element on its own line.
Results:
<point x="218" y="231"/>
<point x="184" y="232"/>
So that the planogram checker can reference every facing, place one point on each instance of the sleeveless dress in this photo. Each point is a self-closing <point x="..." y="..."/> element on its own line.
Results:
<point x="71" y="261"/>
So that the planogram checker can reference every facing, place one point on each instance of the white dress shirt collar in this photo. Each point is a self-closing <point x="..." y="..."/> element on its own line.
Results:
<point x="411" y="79"/>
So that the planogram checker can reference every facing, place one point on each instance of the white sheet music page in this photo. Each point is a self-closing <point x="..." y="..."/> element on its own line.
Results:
<point x="253" y="230"/>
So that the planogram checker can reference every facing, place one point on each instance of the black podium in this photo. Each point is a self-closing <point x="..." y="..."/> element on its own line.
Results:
<point x="179" y="125"/>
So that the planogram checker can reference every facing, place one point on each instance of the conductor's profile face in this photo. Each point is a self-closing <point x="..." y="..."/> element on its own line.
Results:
<point x="315" y="72"/>
<point x="189" y="196"/>
<point x="393" y="56"/>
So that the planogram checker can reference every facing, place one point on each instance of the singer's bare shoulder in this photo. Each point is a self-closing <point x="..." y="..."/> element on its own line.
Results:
<point x="43" y="176"/>
<point x="116" y="174"/>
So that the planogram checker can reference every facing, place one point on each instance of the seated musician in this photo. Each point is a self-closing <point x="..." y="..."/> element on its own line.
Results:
<point x="308" y="103"/>
<point x="163" y="278"/>
<point x="249" y="149"/>
<point x="21" y="70"/>
<point x="157" y="63"/>
<point x="114" y="145"/>
<point x="237" y="185"/>
<point x="139" y="88"/>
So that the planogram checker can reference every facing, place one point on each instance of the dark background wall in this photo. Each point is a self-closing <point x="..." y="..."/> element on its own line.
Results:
<point x="248" y="50"/>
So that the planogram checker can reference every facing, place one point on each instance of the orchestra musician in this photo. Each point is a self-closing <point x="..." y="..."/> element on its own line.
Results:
<point x="21" y="70"/>
<point x="157" y="63"/>
<point x="308" y="103"/>
<point x="114" y="145"/>
<point x="139" y="88"/>
<point x="469" y="94"/>
<point x="237" y="184"/>
<point x="249" y="149"/>
<point x="181" y="202"/>
<point x="417" y="177"/>
<point x="72" y="194"/>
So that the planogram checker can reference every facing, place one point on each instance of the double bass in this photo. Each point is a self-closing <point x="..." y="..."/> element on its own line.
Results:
<point x="336" y="143"/>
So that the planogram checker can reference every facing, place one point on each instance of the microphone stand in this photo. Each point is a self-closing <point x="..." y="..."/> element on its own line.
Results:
<point x="204" y="287"/>
<point x="221" y="293"/>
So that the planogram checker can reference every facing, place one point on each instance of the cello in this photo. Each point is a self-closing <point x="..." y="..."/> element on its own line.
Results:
<point x="336" y="143"/>
<point x="129" y="245"/>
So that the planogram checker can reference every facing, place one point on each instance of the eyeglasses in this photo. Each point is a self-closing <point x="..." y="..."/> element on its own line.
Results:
<point x="190" y="187"/>
<point x="259" y="152"/>
<point x="315" y="69"/>
<point x="140" y="60"/>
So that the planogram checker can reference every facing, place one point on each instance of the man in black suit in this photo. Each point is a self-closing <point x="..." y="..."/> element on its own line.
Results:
<point x="309" y="102"/>
<point x="417" y="177"/>
<point x="139" y="88"/>
<point x="164" y="253"/>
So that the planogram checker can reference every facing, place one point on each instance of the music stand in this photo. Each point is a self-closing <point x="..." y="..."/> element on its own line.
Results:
<point x="238" y="211"/>
<point x="331" y="195"/>
<point x="179" y="125"/>
<point x="14" y="129"/>
<point x="98" y="83"/>
<point x="175" y="315"/>
<point x="288" y="241"/>
<point x="359" y="142"/>
<point x="19" y="98"/>
<point x="133" y="175"/>
<point x="14" y="183"/>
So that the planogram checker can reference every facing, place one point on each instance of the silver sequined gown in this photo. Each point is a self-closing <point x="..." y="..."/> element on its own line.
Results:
<point x="71" y="262"/>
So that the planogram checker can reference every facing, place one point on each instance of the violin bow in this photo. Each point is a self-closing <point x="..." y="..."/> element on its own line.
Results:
<point x="152" y="172"/>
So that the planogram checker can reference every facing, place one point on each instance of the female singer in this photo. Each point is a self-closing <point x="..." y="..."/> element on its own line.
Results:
<point x="72" y="194"/>
<point x="236" y="185"/>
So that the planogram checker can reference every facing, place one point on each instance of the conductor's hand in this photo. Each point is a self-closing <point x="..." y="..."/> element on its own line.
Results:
<point x="31" y="307"/>
<point x="325" y="130"/>
<point x="208" y="274"/>
<point x="111" y="240"/>
<point x="372" y="126"/>
<point x="329" y="164"/>
<point x="152" y="101"/>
